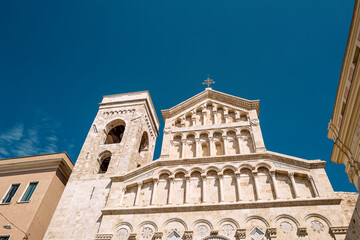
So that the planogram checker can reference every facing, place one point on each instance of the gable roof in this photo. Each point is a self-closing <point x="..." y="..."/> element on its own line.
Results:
<point x="215" y="95"/>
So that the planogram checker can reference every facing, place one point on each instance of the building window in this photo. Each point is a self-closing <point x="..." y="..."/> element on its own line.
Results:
<point x="10" y="194"/>
<point x="4" y="237"/>
<point x="29" y="192"/>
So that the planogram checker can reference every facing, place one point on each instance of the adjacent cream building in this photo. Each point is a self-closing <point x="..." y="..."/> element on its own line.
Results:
<point x="30" y="189"/>
<point x="214" y="180"/>
<point x="344" y="126"/>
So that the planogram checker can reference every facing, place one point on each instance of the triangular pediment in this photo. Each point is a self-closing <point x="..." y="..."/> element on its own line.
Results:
<point x="210" y="94"/>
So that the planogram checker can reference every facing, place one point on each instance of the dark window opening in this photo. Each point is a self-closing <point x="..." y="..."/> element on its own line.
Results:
<point x="115" y="135"/>
<point x="11" y="193"/>
<point x="144" y="143"/>
<point x="104" y="165"/>
<point x="29" y="192"/>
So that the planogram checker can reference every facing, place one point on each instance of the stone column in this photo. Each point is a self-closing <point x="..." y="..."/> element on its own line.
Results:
<point x="226" y="115"/>
<point x="221" y="186"/>
<point x="153" y="194"/>
<point x="225" y="144"/>
<point x="123" y="190"/>
<point x="204" y="117"/>
<point x="187" y="188"/>
<point x="257" y="192"/>
<point x="171" y="186"/>
<point x="311" y="179"/>
<point x="238" y="189"/>
<point x="273" y="178"/>
<point x="215" y="116"/>
<point x="203" y="188"/>
<point x="238" y="136"/>
<point x="291" y="175"/>
<point x="183" y="142"/>
<point x="237" y="116"/>
<point x="198" y="147"/>
<point x="139" y="184"/>
<point x="212" y="146"/>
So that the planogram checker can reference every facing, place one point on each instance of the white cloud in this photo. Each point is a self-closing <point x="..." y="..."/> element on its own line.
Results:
<point x="14" y="134"/>
<point x="38" y="138"/>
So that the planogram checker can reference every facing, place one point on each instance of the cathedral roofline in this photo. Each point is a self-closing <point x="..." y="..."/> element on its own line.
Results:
<point x="212" y="94"/>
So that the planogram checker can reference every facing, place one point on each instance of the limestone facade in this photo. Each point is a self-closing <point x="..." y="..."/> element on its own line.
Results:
<point x="214" y="179"/>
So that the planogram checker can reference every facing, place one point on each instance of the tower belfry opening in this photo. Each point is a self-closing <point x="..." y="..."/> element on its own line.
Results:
<point x="115" y="135"/>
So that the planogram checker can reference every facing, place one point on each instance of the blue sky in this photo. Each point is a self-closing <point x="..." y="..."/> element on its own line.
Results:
<point x="58" y="58"/>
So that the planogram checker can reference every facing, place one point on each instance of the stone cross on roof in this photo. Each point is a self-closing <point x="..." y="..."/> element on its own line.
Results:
<point x="208" y="82"/>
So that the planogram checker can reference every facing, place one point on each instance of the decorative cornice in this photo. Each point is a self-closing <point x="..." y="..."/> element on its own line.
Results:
<point x="46" y="162"/>
<point x="271" y="232"/>
<point x="222" y="206"/>
<point x="103" y="236"/>
<point x="302" y="231"/>
<point x="338" y="230"/>
<point x="215" y="95"/>
<point x="157" y="236"/>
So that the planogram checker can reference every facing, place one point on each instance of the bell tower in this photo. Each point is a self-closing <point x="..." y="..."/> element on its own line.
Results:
<point x="121" y="138"/>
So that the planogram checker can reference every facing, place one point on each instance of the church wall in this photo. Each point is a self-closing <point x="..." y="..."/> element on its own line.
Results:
<point x="287" y="220"/>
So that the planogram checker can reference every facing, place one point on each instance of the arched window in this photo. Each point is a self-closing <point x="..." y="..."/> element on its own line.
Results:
<point x="144" y="143"/>
<point x="104" y="161"/>
<point x="115" y="132"/>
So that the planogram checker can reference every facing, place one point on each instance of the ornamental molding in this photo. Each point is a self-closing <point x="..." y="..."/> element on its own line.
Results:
<point x="103" y="236"/>
<point x="222" y="206"/>
<point x="240" y="233"/>
<point x="215" y="95"/>
<point x="302" y="231"/>
<point x="339" y="230"/>
<point x="271" y="232"/>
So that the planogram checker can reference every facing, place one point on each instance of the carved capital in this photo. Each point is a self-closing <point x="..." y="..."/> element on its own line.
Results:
<point x="156" y="180"/>
<point x="254" y="122"/>
<point x="291" y="174"/>
<point x="240" y="233"/>
<point x="157" y="236"/>
<point x="309" y="177"/>
<point x="302" y="232"/>
<point x="271" y="232"/>
<point x="188" y="235"/>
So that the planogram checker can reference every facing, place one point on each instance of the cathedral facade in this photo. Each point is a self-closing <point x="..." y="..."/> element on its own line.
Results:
<point x="214" y="179"/>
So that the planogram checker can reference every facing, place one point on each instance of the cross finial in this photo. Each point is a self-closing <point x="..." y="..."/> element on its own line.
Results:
<point x="208" y="82"/>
